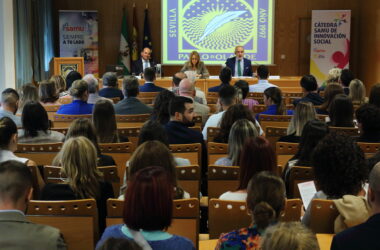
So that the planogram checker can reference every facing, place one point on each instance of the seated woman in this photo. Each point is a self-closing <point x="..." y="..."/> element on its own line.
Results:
<point x="357" y="92"/>
<point x="195" y="64"/>
<point x="78" y="161"/>
<point x="331" y="91"/>
<point x="84" y="127"/>
<point x="341" y="112"/>
<point x="60" y="85"/>
<point x="257" y="156"/>
<point x="368" y="117"/>
<point x="48" y="93"/>
<point x="265" y="202"/>
<point x="36" y="126"/>
<point x="303" y="113"/>
<point x="79" y="106"/>
<point x="161" y="107"/>
<point x="340" y="172"/>
<point x="274" y="103"/>
<point x="28" y="93"/>
<point x="241" y="131"/>
<point x="104" y="120"/>
<point x="148" y="211"/>
<point x="243" y="85"/>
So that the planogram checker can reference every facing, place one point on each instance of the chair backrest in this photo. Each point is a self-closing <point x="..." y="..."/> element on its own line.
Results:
<point x="65" y="100"/>
<point x="64" y="121"/>
<point x="185" y="217"/>
<point x="189" y="178"/>
<point x="274" y="133"/>
<point x="216" y="151"/>
<point x="197" y="121"/>
<point x="369" y="149"/>
<point x="115" y="99"/>
<point x="51" y="108"/>
<point x="274" y="121"/>
<point x="41" y="154"/>
<point x="299" y="175"/>
<point x="222" y="179"/>
<point x="192" y="152"/>
<point x="60" y="130"/>
<point x="213" y="94"/>
<point x="285" y="151"/>
<point x="212" y="100"/>
<point x="147" y="100"/>
<point x="132" y="134"/>
<point x="322" y="216"/>
<point x="148" y="94"/>
<point x="212" y="132"/>
<point x="346" y="130"/>
<point x="293" y="210"/>
<point x="213" y="107"/>
<point x="126" y="121"/>
<point x="37" y="182"/>
<point x="257" y="96"/>
<point x="76" y="219"/>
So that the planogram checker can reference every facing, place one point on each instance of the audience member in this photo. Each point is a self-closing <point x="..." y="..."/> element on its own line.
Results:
<point x="345" y="78"/>
<point x="241" y="130"/>
<point x="257" y="155"/>
<point x="119" y="244"/>
<point x="176" y="79"/>
<point x="274" y="103"/>
<point x="289" y="235"/>
<point x="330" y="92"/>
<point x="239" y="65"/>
<point x="110" y="86"/>
<point x="357" y="92"/>
<point x="16" y="231"/>
<point x="243" y="85"/>
<point x="146" y="220"/>
<point x="161" y="107"/>
<point x="9" y="105"/>
<point x="93" y="89"/>
<point x="262" y="74"/>
<point x="84" y="181"/>
<point x="265" y="202"/>
<point x="71" y="77"/>
<point x="364" y="236"/>
<point x="150" y="77"/>
<point x="340" y="172"/>
<point x="79" y="106"/>
<point x="28" y="93"/>
<point x="303" y="113"/>
<point x="309" y="87"/>
<point x="332" y="78"/>
<point x="368" y="118"/>
<point x="225" y="77"/>
<point x="60" y="85"/>
<point x="48" y="93"/>
<point x="341" y="112"/>
<point x="130" y="105"/>
<point x="144" y="62"/>
<point x="36" y="126"/>
<point x="195" y="64"/>
<point x="374" y="95"/>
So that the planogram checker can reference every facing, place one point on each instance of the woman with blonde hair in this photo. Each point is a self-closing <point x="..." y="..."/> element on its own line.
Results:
<point x="28" y="93"/>
<point x="83" y="180"/>
<point x="303" y="113"/>
<point x="60" y="85"/>
<point x="357" y="92"/>
<point x="48" y="93"/>
<point x="195" y="64"/>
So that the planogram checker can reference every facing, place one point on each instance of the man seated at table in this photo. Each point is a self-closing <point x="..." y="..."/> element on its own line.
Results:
<point x="16" y="231"/>
<point x="309" y="87"/>
<point x="239" y="65"/>
<point x="145" y="61"/>
<point x="262" y="74"/>
<point x="149" y="77"/>
<point x="225" y="76"/>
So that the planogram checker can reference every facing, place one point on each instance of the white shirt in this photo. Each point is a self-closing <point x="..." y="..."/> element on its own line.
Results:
<point x="261" y="86"/>
<point x="234" y="196"/>
<point x="6" y="155"/>
<point x="241" y="66"/>
<point x="146" y="64"/>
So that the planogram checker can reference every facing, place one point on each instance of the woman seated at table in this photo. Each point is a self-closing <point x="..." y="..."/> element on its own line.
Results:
<point x="265" y="202"/>
<point x="274" y="103"/>
<point x="36" y="126"/>
<point x="48" y="93"/>
<point x="341" y="112"/>
<point x="195" y="64"/>
<point x="148" y="211"/>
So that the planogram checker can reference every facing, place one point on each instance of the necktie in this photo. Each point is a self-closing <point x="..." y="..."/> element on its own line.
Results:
<point x="239" y="68"/>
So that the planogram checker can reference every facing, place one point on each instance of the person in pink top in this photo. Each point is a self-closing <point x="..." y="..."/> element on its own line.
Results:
<point x="243" y="85"/>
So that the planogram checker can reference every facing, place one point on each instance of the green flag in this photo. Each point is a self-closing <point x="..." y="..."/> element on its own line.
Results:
<point x="124" y="54"/>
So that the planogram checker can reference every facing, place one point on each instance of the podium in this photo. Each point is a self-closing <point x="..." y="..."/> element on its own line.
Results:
<point x="64" y="65"/>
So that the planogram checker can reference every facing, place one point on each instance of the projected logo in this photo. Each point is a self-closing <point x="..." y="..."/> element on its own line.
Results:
<point x="217" y="24"/>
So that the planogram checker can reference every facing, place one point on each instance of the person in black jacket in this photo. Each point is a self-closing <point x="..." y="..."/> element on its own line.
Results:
<point x="309" y="89"/>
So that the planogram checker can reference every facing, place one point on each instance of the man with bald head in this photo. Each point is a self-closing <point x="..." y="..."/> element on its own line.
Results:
<point x="186" y="88"/>
<point x="145" y="61"/>
<point x="200" y="96"/>
<point x="364" y="236"/>
<point x="239" y="65"/>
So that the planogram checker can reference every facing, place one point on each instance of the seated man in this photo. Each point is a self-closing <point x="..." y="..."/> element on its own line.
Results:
<point x="9" y="105"/>
<point x="149" y="77"/>
<point x="309" y="87"/>
<point x="130" y="105"/>
<point x="262" y="74"/>
<point x="16" y="231"/>
<point x="225" y="77"/>
<point x="239" y="65"/>
<point x="145" y="61"/>
<point x="93" y="89"/>
<point x="200" y="96"/>
<point x="110" y="86"/>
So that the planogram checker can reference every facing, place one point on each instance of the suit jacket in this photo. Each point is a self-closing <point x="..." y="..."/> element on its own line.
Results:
<point x="111" y="93"/>
<point x="132" y="106"/>
<point x="217" y="88"/>
<point x="138" y="68"/>
<point x="19" y="233"/>
<point x="150" y="87"/>
<point x="247" y="70"/>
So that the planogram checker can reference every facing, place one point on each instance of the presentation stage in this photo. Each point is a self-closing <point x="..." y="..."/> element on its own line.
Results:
<point x="215" y="27"/>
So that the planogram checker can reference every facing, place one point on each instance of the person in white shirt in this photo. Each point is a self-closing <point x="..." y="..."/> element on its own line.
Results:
<point x="262" y="74"/>
<point x="145" y="61"/>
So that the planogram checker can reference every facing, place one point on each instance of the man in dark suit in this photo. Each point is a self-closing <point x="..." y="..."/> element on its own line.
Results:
<point x="143" y="62"/>
<point x="130" y="105"/>
<point x="110" y="86"/>
<point x="239" y="65"/>
<point x="149" y="77"/>
<point x="225" y="77"/>
<point x="364" y="236"/>
<point x="15" y="230"/>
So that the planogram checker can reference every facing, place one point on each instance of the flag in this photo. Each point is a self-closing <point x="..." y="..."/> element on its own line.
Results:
<point x="147" y="41"/>
<point x="134" y="36"/>
<point x="124" y="54"/>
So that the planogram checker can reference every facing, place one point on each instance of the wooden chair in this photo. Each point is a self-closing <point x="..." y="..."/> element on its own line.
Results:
<point x="212" y="132"/>
<point x="274" y="121"/>
<point x="222" y="179"/>
<point x="132" y="134"/>
<point x="212" y="100"/>
<point x="274" y="133"/>
<point x="147" y="100"/>
<point x="298" y="175"/>
<point x="213" y="108"/>
<point x="322" y="216"/>
<point x="192" y="152"/>
<point x="41" y="154"/>
<point x="115" y="99"/>
<point x="369" y="149"/>
<point x="60" y="130"/>
<point x="285" y="151"/>
<point x="76" y="219"/>
<point x="64" y="121"/>
<point x="198" y="121"/>
<point x="216" y="151"/>
<point x="184" y="223"/>
<point x="290" y="97"/>
<point x="257" y="96"/>
<point x="148" y="94"/>
<point x="213" y="94"/>
<point x="65" y="100"/>
<point x="346" y="130"/>
<point x="261" y="107"/>
<point x="126" y="121"/>
<point x="37" y="181"/>
<point x="293" y="210"/>
<point x="120" y="152"/>
<point x="51" y="110"/>
<point x="189" y="179"/>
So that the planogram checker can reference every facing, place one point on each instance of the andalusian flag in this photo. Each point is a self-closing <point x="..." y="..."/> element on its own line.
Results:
<point x="124" y="55"/>
<point x="135" y="50"/>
